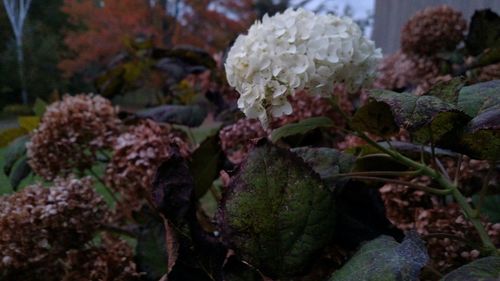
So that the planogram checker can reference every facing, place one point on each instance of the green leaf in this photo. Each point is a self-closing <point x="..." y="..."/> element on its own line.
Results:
<point x="39" y="107"/>
<point x="206" y="163"/>
<point x="9" y="135"/>
<point x="277" y="214"/>
<point x="428" y="117"/>
<point x="173" y="188"/>
<point x="447" y="90"/>
<point x="375" y="118"/>
<point x="384" y="259"/>
<point x="485" y="269"/>
<point x="327" y="162"/>
<point x="479" y="97"/>
<point x="301" y="127"/>
<point x="188" y="115"/>
<point x="200" y="134"/>
<point x="14" y="152"/>
<point x="484" y="32"/>
<point x="151" y="249"/>
<point x="482" y="137"/>
<point x="20" y="171"/>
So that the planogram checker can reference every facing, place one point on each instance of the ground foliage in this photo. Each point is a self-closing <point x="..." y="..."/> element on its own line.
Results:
<point x="199" y="193"/>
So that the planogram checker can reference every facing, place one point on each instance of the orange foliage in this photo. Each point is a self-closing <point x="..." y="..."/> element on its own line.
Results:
<point x="213" y="24"/>
<point x="103" y="29"/>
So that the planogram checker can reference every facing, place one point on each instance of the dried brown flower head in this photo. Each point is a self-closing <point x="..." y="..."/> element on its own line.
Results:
<point x="488" y="73"/>
<point x="402" y="71"/>
<point x="111" y="261"/>
<point x="433" y="30"/>
<point x="236" y="139"/>
<point x="39" y="224"/>
<point x="137" y="154"/>
<point x="70" y="134"/>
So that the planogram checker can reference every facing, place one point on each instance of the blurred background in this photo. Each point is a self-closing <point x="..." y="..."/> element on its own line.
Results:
<point x="122" y="49"/>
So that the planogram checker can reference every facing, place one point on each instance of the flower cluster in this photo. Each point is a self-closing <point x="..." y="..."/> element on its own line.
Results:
<point x="236" y="139"/>
<point x="416" y="66"/>
<point x="297" y="50"/>
<point x="137" y="154"/>
<point x="111" y="261"/>
<point x="39" y="224"/>
<point x="71" y="133"/>
<point x="433" y="30"/>
<point x="400" y="71"/>
<point x="447" y="253"/>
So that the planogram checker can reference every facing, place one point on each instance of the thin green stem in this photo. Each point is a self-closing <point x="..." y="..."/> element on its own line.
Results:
<point x="409" y="184"/>
<point x="484" y="188"/>
<point x="445" y="183"/>
<point x="378" y="173"/>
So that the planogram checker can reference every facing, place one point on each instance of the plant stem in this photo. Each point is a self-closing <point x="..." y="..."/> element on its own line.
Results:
<point x="484" y="188"/>
<point x="409" y="184"/>
<point x="469" y="213"/>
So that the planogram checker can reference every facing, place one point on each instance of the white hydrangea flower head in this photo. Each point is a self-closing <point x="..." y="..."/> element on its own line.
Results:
<point x="297" y="50"/>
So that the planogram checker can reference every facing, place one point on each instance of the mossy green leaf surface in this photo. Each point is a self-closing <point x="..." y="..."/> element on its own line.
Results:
<point x="428" y="117"/>
<point x="327" y="162"/>
<point x="485" y="269"/>
<point x="384" y="259"/>
<point x="277" y="214"/>
<point x="479" y="97"/>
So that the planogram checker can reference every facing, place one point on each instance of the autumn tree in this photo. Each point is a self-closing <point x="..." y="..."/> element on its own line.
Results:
<point x="212" y="24"/>
<point x="101" y="27"/>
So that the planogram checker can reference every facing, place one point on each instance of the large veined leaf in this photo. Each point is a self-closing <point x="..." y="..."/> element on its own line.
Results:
<point x="479" y="97"/>
<point x="277" y="214"/>
<point x="485" y="269"/>
<point x="206" y="163"/>
<point x="482" y="136"/>
<point x="14" y="152"/>
<point x="384" y="259"/>
<point x="428" y="117"/>
<point x="151" y="249"/>
<point x="173" y="188"/>
<point x="301" y="127"/>
<point x="20" y="171"/>
<point x="327" y="162"/>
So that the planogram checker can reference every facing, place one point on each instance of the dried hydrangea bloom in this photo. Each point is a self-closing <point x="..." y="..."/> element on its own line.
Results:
<point x="488" y="73"/>
<point x="297" y="50"/>
<point x="111" y="261"/>
<point x="70" y="134"/>
<point x="401" y="71"/>
<point x="39" y="224"/>
<point x="446" y="253"/>
<point x="137" y="154"/>
<point x="236" y="139"/>
<point x="433" y="30"/>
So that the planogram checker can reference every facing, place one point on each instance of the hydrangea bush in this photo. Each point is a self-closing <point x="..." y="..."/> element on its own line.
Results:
<point x="324" y="178"/>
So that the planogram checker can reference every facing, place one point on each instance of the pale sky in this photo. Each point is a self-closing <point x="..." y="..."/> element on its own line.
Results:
<point x="361" y="8"/>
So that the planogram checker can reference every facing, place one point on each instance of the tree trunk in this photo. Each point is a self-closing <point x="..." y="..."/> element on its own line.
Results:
<point x="20" y="66"/>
